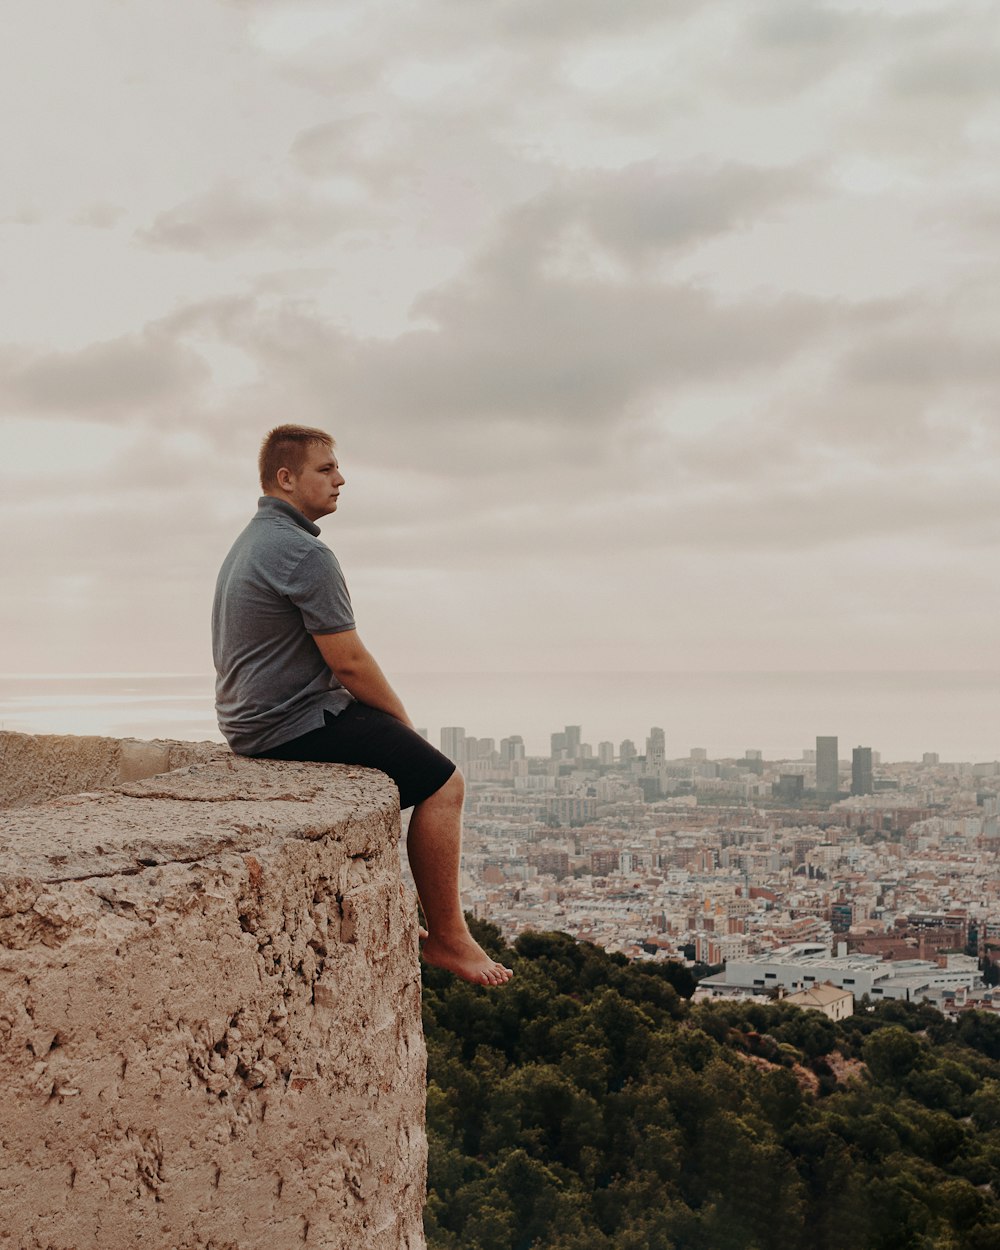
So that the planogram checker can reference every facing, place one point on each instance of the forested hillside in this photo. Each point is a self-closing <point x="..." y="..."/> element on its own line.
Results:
<point x="589" y="1106"/>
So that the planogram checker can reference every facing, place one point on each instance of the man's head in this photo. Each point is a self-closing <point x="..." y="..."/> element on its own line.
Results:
<point x="297" y="464"/>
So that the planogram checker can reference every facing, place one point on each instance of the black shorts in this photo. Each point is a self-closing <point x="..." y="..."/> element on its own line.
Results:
<point x="367" y="736"/>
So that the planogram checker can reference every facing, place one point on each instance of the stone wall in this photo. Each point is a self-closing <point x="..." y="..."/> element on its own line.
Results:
<point x="210" y="1016"/>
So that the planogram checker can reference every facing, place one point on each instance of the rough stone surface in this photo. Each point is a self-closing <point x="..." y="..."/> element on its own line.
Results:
<point x="210" y="1016"/>
<point x="37" y="767"/>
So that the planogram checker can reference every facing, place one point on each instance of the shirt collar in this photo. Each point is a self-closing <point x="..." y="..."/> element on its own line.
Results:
<point x="267" y="504"/>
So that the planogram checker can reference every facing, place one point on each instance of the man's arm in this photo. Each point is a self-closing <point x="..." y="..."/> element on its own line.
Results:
<point x="355" y="668"/>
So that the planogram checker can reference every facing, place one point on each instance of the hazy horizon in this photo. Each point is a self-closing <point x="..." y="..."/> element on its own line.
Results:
<point x="902" y="715"/>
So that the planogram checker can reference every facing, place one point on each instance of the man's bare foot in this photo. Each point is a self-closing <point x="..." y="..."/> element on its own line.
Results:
<point x="467" y="959"/>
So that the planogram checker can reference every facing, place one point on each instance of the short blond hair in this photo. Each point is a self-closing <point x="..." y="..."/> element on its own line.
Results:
<point x="286" y="447"/>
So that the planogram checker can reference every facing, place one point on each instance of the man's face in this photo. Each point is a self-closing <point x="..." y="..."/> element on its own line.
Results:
<point x="315" y="488"/>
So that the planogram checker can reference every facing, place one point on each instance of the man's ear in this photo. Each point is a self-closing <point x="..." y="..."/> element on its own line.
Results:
<point x="285" y="479"/>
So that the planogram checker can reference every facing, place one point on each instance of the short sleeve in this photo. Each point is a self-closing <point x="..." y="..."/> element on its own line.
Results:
<point x="318" y="590"/>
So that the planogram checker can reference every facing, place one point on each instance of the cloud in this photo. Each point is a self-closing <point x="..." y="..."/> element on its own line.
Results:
<point x="931" y="76"/>
<point x="514" y="370"/>
<point x="923" y="357"/>
<point x="425" y="28"/>
<point x="100" y="215"/>
<point x="649" y="206"/>
<point x="501" y="64"/>
<point x="784" y="48"/>
<point x="438" y="173"/>
<point x="349" y="146"/>
<point x="969" y="70"/>
<point x="788" y="25"/>
<point x="580" y="520"/>
<point x="530" y="374"/>
<point x="920" y="384"/>
<point x="536" y="352"/>
<point x="116" y="380"/>
<point x="559" y="20"/>
<point x="229" y="217"/>
<point x="575" y="352"/>
<point x="23" y="215"/>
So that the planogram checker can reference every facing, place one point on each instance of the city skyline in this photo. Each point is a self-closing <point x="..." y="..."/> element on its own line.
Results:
<point x="823" y="761"/>
<point x="905" y="716"/>
<point x="651" y="336"/>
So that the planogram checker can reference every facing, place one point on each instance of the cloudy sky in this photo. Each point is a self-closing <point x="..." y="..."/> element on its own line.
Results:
<point x="654" y="335"/>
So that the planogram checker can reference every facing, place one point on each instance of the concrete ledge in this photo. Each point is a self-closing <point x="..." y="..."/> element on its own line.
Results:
<point x="210" y="1016"/>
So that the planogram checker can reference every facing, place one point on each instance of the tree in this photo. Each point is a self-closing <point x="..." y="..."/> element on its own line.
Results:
<point x="990" y="970"/>
<point x="891" y="1054"/>
<point x="981" y="1031"/>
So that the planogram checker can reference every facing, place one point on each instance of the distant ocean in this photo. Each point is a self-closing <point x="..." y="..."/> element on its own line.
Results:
<point x="902" y="715"/>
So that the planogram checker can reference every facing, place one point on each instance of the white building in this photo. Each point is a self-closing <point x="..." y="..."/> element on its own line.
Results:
<point x="801" y="967"/>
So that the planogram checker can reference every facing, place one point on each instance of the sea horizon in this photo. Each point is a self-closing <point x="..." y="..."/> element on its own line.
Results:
<point x="900" y="713"/>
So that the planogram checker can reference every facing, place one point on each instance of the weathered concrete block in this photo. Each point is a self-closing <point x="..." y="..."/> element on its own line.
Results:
<point x="210" y="1016"/>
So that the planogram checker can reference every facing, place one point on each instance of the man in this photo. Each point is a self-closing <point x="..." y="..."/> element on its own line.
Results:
<point x="295" y="682"/>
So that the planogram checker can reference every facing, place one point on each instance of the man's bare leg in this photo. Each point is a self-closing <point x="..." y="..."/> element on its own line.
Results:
<point x="434" y="848"/>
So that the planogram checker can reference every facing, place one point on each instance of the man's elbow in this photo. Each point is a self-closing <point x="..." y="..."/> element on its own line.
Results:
<point x="349" y="667"/>
<point x="346" y="674"/>
<point x="344" y="654"/>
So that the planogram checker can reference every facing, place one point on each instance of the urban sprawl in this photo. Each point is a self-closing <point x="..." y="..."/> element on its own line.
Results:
<point x="833" y="881"/>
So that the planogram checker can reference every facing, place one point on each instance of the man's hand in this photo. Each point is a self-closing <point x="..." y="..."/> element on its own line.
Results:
<point x="355" y="668"/>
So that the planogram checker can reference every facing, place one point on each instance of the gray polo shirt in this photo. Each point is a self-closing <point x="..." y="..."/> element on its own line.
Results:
<point x="278" y="586"/>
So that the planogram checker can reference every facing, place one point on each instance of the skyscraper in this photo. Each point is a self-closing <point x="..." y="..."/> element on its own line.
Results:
<point x="572" y="741"/>
<point x="656" y="748"/>
<point x="827" y="766"/>
<point x="605" y="752"/>
<point x="861" y="771"/>
<point x="453" y="743"/>
<point x="511" y="749"/>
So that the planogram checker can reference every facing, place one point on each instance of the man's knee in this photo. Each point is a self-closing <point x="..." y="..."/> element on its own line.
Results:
<point x="453" y="790"/>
